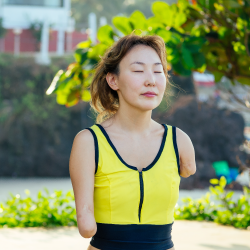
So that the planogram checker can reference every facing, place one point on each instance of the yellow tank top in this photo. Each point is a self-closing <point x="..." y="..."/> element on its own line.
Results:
<point x="125" y="196"/>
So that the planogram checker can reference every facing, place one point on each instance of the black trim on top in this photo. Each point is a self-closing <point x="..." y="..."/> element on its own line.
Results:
<point x="96" y="148"/>
<point x="120" y="158"/>
<point x="176" y="148"/>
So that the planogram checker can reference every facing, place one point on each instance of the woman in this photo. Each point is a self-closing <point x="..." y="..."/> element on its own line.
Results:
<point x="126" y="169"/>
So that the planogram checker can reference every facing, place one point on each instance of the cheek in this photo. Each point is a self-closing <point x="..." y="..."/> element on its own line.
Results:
<point x="161" y="83"/>
<point x="132" y="83"/>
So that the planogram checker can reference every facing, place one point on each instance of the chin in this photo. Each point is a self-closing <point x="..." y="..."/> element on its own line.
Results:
<point x="148" y="107"/>
<point x="145" y="106"/>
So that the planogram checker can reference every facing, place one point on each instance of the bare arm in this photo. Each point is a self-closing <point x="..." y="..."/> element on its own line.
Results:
<point x="82" y="173"/>
<point x="186" y="154"/>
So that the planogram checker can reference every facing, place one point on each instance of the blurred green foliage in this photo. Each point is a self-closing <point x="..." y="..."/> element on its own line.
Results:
<point x="206" y="35"/>
<point x="48" y="210"/>
<point x="58" y="209"/>
<point x="22" y="94"/>
<point x="2" y="29"/>
<point x="81" y="8"/>
<point x="226" y="212"/>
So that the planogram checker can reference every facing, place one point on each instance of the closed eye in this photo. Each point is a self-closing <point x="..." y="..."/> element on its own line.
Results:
<point x="142" y="71"/>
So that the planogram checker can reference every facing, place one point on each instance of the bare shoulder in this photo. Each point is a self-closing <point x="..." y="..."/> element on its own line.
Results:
<point x="84" y="136"/>
<point x="186" y="153"/>
<point x="82" y="151"/>
<point x="182" y="136"/>
<point x="82" y="168"/>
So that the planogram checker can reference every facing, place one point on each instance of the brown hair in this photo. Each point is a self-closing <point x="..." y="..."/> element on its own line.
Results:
<point x="104" y="100"/>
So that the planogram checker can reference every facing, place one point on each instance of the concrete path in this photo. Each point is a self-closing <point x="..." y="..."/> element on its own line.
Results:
<point x="186" y="235"/>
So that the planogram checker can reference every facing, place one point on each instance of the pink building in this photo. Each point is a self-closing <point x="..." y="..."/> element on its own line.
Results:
<point x="28" y="43"/>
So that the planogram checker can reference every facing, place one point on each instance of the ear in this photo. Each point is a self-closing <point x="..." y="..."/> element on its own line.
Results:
<point x="112" y="81"/>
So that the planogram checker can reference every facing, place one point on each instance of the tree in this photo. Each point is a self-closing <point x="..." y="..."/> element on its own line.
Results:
<point x="2" y="29"/>
<point x="109" y="9"/>
<point x="203" y="35"/>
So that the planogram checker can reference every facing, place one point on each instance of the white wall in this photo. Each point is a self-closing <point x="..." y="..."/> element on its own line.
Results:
<point x="18" y="16"/>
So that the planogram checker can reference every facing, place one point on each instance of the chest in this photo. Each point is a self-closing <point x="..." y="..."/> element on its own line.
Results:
<point x="137" y="152"/>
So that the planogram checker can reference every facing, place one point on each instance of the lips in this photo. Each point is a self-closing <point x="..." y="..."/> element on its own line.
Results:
<point x="149" y="93"/>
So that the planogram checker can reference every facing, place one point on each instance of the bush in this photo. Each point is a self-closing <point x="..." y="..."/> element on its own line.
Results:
<point x="58" y="209"/>
<point x="227" y="212"/>
<point x="49" y="210"/>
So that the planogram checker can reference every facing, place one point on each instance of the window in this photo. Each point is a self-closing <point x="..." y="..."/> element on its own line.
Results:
<point x="45" y="3"/>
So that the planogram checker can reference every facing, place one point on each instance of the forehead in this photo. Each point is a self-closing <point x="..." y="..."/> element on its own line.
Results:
<point x="143" y="53"/>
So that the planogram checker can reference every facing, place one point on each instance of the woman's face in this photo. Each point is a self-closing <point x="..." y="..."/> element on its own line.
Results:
<point x="140" y="71"/>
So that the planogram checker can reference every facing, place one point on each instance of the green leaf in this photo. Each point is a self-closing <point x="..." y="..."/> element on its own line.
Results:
<point x="229" y="195"/>
<point x="188" y="25"/>
<point x="39" y="195"/>
<point x="182" y="4"/>
<point x="80" y="56"/>
<point x="72" y="68"/>
<point x="219" y="7"/>
<point x="97" y="51"/>
<point x="105" y="35"/>
<point x="84" y="57"/>
<point x="84" y="45"/>
<point x="86" y="95"/>
<point x="217" y="76"/>
<point x="165" y="34"/>
<point x="223" y="181"/>
<point x="163" y="12"/>
<point x="180" y="18"/>
<point x="77" y="55"/>
<point x="153" y="21"/>
<point x="122" y="24"/>
<point x="214" y="181"/>
<point x="174" y="56"/>
<point x="138" y="20"/>
<point x="199" y="60"/>
<point x="61" y="98"/>
<point x="187" y="57"/>
<point x="231" y="4"/>
<point x="180" y="69"/>
<point x="194" y="44"/>
<point x="219" y="188"/>
<point x="246" y="190"/>
<point x="72" y="103"/>
<point x="223" y="31"/>
<point x="213" y="190"/>
<point x="175" y="39"/>
<point x="153" y="25"/>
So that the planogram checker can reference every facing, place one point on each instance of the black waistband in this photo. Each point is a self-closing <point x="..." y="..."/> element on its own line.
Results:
<point x="132" y="237"/>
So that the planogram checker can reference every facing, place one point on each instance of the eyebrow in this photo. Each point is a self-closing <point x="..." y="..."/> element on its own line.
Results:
<point x="157" y="63"/>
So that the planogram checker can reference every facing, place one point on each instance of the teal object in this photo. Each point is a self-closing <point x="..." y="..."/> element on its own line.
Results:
<point x="222" y="169"/>
<point x="234" y="172"/>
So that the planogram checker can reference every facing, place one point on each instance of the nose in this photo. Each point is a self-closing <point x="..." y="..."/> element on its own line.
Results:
<point x="150" y="79"/>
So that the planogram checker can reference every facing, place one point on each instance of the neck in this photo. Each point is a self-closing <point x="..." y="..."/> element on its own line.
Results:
<point x="134" y="121"/>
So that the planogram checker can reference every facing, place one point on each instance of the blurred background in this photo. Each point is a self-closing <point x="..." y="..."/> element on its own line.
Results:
<point x="48" y="51"/>
<point x="40" y="38"/>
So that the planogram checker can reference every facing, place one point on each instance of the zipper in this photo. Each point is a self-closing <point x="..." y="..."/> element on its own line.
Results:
<point x="141" y="195"/>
